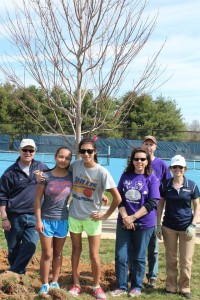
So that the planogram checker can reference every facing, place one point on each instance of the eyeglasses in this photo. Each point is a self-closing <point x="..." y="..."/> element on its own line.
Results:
<point x="28" y="150"/>
<point x="137" y="159"/>
<point x="175" y="167"/>
<point x="89" y="151"/>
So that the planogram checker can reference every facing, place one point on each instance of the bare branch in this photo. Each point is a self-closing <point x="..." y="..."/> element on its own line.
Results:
<point x="78" y="46"/>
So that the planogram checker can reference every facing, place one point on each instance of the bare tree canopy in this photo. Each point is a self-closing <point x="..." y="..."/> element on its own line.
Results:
<point x="79" y="46"/>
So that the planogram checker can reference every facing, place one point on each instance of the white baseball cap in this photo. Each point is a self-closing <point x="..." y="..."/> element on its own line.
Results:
<point x="178" y="160"/>
<point x="27" y="142"/>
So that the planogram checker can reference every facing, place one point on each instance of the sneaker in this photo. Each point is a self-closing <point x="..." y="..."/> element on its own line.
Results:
<point x="44" y="289"/>
<point x="117" y="292"/>
<point x="75" y="290"/>
<point x="98" y="293"/>
<point x="54" y="285"/>
<point x="151" y="283"/>
<point x="169" y="292"/>
<point x="134" y="293"/>
<point x="186" y="295"/>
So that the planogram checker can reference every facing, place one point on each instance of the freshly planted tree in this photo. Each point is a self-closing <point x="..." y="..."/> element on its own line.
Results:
<point x="79" y="46"/>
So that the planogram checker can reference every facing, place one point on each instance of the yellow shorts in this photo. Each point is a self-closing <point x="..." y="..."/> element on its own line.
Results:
<point x="90" y="226"/>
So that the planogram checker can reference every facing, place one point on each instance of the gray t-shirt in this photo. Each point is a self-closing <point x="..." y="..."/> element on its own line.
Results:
<point x="89" y="185"/>
<point x="57" y="192"/>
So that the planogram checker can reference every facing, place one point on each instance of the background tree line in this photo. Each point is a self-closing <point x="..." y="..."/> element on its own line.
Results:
<point x="159" y="116"/>
<point x="78" y="55"/>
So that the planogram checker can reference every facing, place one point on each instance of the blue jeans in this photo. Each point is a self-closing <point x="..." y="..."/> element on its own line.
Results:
<point x="135" y="259"/>
<point x="153" y="256"/>
<point x="21" y="240"/>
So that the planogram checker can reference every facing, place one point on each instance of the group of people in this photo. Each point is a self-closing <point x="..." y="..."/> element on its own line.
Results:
<point x="34" y="204"/>
<point x="146" y="188"/>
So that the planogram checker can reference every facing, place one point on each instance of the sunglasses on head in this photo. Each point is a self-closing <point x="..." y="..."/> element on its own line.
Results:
<point x="175" y="167"/>
<point x="137" y="159"/>
<point x="28" y="150"/>
<point x="89" y="151"/>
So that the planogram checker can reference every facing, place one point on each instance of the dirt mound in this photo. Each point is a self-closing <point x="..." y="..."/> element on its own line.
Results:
<point x="25" y="287"/>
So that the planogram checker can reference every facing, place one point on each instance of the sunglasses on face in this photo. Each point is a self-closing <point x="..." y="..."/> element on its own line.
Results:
<point x="175" y="167"/>
<point x="28" y="150"/>
<point x="89" y="151"/>
<point x="139" y="159"/>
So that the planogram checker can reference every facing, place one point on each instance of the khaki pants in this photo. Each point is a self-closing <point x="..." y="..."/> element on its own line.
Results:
<point x="186" y="250"/>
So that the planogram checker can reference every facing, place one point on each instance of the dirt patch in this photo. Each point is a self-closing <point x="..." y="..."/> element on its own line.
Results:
<point x="25" y="287"/>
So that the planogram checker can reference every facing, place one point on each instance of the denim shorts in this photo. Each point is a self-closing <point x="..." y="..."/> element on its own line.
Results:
<point x="55" y="228"/>
<point x="91" y="227"/>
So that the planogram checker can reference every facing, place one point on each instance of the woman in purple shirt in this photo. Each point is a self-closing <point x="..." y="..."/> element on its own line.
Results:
<point x="139" y="189"/>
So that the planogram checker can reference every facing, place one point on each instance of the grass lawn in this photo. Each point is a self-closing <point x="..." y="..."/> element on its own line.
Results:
<point x="107" y="259"/>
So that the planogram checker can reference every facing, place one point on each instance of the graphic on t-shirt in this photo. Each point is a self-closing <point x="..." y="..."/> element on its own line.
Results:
<point x="87" y="193"/>
<point x="127" y="183"/>
<point x="138" y="185"/>
<point x="58" y="190"/>
<point x="133" y="194"/>
<point x="85" y="185"/>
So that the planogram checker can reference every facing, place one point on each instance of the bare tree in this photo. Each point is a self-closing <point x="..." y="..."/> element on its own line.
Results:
<point x="77" y="46"/>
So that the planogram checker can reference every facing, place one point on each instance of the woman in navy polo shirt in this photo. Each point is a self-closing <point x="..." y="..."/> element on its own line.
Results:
<point x="178" y="194"/>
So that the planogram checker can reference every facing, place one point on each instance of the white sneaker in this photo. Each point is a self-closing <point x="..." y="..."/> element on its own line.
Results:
<point x="117" y="292"/>
<point x="134" y="293"/>
<point x="75" y="291"/>
<point x="44" y="289"/>
<point x="54" y="285"/>
<point x="99" y="293"/>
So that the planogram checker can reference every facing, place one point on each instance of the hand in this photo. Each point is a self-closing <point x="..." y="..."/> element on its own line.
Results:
<point x="131" y="226"/>
<point x="37" y="172"/>
<point x="190" y="231"/>
<point x="6" y="225"/>
<point x="96" y="215"/>
<point x="159" y="232"/>
<point x="40" y="177"/>
<point x="39" y="227"/>
<point x="128" y="220"/>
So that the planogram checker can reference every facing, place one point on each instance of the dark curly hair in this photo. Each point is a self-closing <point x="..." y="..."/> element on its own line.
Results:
<point x="130" y="166"/>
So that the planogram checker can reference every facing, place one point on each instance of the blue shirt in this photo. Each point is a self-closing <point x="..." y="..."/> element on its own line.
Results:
<point x="56" y="196"/>
<point x="17" y="189"/>
<point x="178" y="211"/>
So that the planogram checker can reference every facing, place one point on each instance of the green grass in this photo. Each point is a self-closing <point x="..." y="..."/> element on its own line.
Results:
<point x="107" y="258"/>
<point x="2" y="240"/>
<point x="109" y="196"/>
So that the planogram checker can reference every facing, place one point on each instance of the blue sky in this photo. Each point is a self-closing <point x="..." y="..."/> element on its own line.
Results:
<point x="179" y="24"/>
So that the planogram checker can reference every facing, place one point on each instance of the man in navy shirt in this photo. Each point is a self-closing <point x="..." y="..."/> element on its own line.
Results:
<point x="17" y="193"/>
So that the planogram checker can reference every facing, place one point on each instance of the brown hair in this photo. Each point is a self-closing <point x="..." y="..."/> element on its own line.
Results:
<point x="130" y="166"/>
